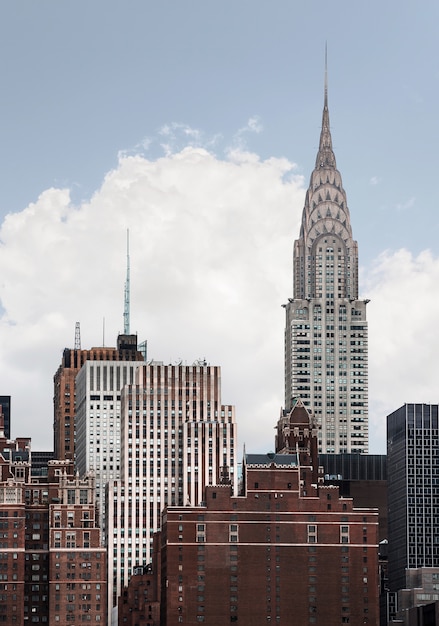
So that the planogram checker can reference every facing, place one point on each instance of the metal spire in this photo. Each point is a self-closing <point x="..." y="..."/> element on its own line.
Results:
<point x="325" y="155"/>
<point x="126" y="310"/>
<point x="326" y="75"/>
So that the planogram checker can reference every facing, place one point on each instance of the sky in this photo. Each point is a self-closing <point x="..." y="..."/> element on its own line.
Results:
<point x="195" y="125"/>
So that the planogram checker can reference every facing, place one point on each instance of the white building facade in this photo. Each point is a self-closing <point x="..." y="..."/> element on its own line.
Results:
<point x="326" y="334"/>
<point x="98" y="421"/>
<point x="176" y="437"/>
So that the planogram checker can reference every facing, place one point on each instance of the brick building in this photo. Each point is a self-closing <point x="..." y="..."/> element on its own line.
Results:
<point x="139" y="604"/>
<point x="362" y="477"/>
<point x="52" y="563"/>
<point x="286" y="549"/>
<point x="77" y="560"/>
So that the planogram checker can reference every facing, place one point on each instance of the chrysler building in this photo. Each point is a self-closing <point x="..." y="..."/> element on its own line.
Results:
<point x="326" y="344"/>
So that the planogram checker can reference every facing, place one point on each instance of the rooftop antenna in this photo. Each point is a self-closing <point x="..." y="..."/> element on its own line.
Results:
<point x="326" y="73"/>
<point x="103" y="332"/>
<point x="126" y="309"/>
<point x="77" y="336"/>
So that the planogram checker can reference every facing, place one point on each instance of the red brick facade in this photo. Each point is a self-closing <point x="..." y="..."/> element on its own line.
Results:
<point x="285" y="550"/>
<point x="52" y="564"/>
<point x="270" y="556"/>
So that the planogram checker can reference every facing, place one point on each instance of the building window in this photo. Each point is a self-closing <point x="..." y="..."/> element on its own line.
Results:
<point x="201" y="533"/>
<point x="233" y="533"/>
<point x="312" y="533"/>
<point x="344" y="534"/>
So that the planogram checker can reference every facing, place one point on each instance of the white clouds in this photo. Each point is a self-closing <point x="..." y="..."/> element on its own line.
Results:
<point x="208" y="240"/>
<point x="404" y="343"/>
<point x="176" y="136"/>
<point x="253" y="126"/>
<point x="407" y="204"/>
<point x="211" y="263"/>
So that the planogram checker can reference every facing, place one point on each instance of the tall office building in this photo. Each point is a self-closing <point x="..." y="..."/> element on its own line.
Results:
<point x="98" y="423"/>
<point x="326" y="343"/>
<point x="64" y="427"/>
<point x="413" y="495"/>
<point x="176" y="438"/>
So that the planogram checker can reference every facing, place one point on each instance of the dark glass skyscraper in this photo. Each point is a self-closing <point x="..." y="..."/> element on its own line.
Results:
<point x="5" y="403"/>
<point x="413" y="494"/>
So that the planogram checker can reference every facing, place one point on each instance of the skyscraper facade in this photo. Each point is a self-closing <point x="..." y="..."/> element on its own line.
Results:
<point x="326" y="342"/>
<point x="98" y="423"/>
<point x="64" y="426"/>
<point x="413" y="495"/>
<point x="176" y="438"/>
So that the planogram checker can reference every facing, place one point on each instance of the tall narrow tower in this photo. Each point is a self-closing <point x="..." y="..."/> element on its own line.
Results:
<point x="126" y="308"/>
<point x="326" y="353"/>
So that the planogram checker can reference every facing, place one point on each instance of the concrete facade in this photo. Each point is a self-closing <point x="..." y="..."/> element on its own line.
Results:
<point x="98" y="421"/>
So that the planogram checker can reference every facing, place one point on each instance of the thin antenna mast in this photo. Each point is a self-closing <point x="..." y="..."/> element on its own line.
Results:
<point x="77" y="336"/>
<point x="126" y="310"/>
<point x="326" y="73"/>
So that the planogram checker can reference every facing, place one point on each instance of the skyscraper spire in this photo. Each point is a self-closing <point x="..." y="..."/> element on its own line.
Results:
<point x="326" y="74"/>
<point x="126" y="310"/>
<point x="326" y="327"/>
<point x="325" y="211"/>
<point x="325" y="155"/>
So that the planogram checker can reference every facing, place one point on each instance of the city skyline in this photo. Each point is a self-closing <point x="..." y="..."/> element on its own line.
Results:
<point x="192" y="156"/>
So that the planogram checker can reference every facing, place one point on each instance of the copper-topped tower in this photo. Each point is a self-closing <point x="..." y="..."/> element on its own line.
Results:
<point x="326" y="354"/>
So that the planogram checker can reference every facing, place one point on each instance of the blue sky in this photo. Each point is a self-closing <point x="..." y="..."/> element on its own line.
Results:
<point x="84" y="80"/>
<point x="88" y="84"/>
